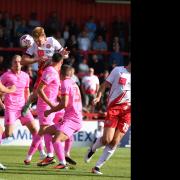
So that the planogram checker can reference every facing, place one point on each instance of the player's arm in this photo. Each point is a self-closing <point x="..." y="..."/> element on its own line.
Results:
<point x="97" y="87"/>
<point x="28" y="59"/>
<point x="40" y="92"/>
<point x="63" y="104"/>
<point x="26" y="94"/>
<point x="4" y="89"/>
<point x="2" y="104"/>
<point x="101" y="90"/>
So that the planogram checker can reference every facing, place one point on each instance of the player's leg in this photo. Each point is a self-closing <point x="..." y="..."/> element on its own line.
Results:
<point x="31" y="125"/>
<point x="27" y="106"/>
<point x="108" y="152"/>
<point x="100" y="142"/>
<point x="50" y="131"/>
<point x="67" y="148"/>
<point x="35" y="144"/>
<point x="10" y="118"/>
<point x="2" y="167"/>
<point x="33" y="96"/>
<point x="58" y="143"/>
<point x="121" y="129"/>
<point x="49" y="145"/>
<point x="65" y="130"/>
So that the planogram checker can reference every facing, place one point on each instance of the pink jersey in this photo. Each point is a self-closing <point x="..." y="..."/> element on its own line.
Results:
<point x="73" y="111"/>
<point x="120" y="80"/>
<point x="16" y="100"/>
<point x="51" y="78"/>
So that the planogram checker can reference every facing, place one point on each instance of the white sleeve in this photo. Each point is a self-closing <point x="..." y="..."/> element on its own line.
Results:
<point x="97" y="80"/>
<point x="112" y="76"/>
<point x="57" y="45"/>
<point x="30" y="50"/>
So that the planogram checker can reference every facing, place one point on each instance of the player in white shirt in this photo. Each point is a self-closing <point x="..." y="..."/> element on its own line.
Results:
<point x="41" y="52"/>
<point x="118" y="117"/>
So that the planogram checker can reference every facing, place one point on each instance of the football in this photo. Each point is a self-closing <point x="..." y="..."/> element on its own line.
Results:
<point x="26" y="41"/>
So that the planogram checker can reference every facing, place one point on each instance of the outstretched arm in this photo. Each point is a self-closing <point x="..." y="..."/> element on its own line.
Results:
<point x="63" y="104"/>
<point x="101" y="90"/>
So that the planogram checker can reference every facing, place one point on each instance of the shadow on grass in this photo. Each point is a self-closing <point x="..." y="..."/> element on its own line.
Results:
<point x="55" y="172"/>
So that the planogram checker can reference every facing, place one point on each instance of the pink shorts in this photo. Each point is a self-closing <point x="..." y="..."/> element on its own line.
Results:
<point x="45" y="120"/>
<point x="68" y="127"/>
<point x="12" y="115"/>
<point x="58" y="116"/>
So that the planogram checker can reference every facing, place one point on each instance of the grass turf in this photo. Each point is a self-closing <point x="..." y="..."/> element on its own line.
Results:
<point x="118" y="167"/>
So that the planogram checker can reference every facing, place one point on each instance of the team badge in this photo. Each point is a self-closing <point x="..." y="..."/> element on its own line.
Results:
<point x="48" y="46"/>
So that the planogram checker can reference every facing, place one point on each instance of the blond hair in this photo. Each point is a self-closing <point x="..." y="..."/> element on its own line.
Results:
<point x="37" y="32"/>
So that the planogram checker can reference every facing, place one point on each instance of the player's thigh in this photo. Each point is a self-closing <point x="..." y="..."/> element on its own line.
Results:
<point x="1" y="129"/>
<point x="9" y="129"/>
<point x="31" y="125"/>
<point x="108" y="135"/>
<point x="118" y="135"/>
<point x="50" y="130"/>
<point x="60" y="136"/>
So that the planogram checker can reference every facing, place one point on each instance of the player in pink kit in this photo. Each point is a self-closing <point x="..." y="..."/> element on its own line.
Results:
<point x="15" y="101"/>
<point x="69" y="142"/>
<point x="118" y="117"/>
<point x="72" y="120"/>
<point x="4" y="89"/>
<point x="47" y="98"/>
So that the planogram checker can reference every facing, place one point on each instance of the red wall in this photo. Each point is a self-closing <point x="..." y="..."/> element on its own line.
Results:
<point x="79" y="9"/>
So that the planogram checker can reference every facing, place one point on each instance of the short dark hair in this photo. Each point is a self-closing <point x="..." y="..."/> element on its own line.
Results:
<point x="57" y="57"/>
<point x="66" y="70"/>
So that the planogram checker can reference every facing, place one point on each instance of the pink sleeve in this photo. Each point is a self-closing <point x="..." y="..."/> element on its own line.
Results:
<point x="3" y="79"/>
<point x="27" y="81"/>
<point x="47" y="76"/>
<point x="65" y="88"/>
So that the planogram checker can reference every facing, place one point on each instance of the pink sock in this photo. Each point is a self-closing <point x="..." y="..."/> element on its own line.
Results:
<point x="48" y="143"/>
<point x="34" y="145"/>
<point x="68" y="145"/>
<point x="40" y="147"/>
<point x="59" y="150"/>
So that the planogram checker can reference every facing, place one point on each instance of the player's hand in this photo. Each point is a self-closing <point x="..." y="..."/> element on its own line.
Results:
<point x="65" y="53"/>
<point x="12" y="88"/>
<point x="46" y="113"/>
<point x="2" y="105"/>
<point x="95" y="101"/>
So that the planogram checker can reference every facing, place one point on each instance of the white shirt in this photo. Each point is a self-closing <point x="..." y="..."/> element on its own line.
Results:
<point x="89" y="83"/>
<point x="120" y="80"/>
<point x="47" y="50"/>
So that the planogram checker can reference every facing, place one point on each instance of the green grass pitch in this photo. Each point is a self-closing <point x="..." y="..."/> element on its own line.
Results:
<point x="118" y="167"/>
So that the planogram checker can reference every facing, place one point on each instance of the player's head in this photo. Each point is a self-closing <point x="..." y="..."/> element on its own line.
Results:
<point x="16" y="63"/>
<point x="57" y="57"/>
<point x="39" y="36"/>
<point x="66" y="71"/>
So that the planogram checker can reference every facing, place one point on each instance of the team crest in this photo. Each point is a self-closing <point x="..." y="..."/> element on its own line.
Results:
<point x="48" y="46"/>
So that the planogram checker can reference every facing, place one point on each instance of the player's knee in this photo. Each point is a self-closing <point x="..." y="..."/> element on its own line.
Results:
<point x="114" y="143"/>
<point x="106" y="141"/>
<point x="8" y="133"/>
<point x="34" y="130"/>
